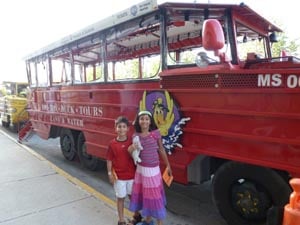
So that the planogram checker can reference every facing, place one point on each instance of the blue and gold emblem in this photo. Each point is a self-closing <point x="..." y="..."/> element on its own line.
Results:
<point x="166" y="116"/>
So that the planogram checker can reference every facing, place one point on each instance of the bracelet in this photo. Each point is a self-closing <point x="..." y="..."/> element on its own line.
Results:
<point x="109" y="173"/>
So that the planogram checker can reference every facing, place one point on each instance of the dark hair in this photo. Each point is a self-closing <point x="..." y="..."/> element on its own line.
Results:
<point x="121" y="119"/>
<point x="137" y="126"/>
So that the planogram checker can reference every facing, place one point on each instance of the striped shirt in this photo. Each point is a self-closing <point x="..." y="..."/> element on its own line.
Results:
<point x="149" y="154"/>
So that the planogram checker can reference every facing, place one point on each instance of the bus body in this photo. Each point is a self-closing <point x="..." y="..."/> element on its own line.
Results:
<point x="226" y="108"/>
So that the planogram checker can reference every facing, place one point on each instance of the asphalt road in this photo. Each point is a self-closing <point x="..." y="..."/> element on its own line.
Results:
<point x="186" y="205"/>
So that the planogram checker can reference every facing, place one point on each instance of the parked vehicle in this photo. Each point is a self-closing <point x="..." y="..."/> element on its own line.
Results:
<point x="13" y="104"/>
<point x="225" y="113"/>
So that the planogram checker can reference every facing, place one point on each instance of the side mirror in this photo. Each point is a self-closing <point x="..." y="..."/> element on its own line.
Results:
<point x="212" y="35"/>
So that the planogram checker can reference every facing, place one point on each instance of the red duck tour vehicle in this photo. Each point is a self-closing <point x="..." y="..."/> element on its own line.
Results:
<point x="227" y="109"/>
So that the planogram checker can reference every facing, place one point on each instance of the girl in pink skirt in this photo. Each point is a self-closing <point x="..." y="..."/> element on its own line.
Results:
<point x="148" y="192"/>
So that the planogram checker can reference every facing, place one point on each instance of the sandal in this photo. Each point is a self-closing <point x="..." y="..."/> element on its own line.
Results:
<point x="122" y="223"/>
<point x="129" y="223"/>
<point x="145" y="223"/>
<point x="137" y="218"/>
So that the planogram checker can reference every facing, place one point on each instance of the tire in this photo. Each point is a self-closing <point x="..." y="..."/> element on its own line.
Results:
<point x="88" y="161"/>
<point x="243" y="193"/>
<point x="67" y="144"/>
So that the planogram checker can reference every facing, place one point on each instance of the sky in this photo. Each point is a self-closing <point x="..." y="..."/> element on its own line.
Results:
<point x="27" y="26"/>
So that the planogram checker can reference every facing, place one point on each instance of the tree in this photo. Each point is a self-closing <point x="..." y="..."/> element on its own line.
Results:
<point x="284" y="43"/>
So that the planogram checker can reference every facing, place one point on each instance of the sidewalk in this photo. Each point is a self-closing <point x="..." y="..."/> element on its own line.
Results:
<point x="34" y="192"/>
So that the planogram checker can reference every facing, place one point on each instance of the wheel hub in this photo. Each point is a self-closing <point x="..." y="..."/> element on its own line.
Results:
<point x="250" y="202"/>
<point x="247" y="202"/>
<point x="66" y="144"/>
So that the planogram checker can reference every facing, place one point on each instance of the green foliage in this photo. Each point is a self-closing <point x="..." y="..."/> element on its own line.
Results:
<point x="90" y="73"/>
<point x="127" y="69"/>
<point x="284" y="43"/>
<point x="188" y="57"/>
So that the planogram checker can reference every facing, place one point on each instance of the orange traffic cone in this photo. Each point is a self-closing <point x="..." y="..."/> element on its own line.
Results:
<point x="291" y="214"/>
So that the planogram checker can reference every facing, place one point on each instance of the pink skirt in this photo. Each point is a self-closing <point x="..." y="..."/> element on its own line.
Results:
<point x="148" y="195"/>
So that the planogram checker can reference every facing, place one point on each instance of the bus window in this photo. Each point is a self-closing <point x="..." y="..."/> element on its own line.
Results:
<point x="33" y="75"/>
<point x="111" y="73"/>
<point x="57" y="66"/>
<point x="94" y="73"/>
<point x="78" y="73"/>
<point x="250" y="44"/>
<point x="151" y="66"/>
<point x="61" y="72"/>
<point x="127" y="69"/>
<point x="183" y="37"/>
<point x="42" y="71"/>
<point x="66" y="73"/>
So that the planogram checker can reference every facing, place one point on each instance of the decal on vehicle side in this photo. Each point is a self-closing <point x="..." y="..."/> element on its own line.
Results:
<point x="166" y="116"/>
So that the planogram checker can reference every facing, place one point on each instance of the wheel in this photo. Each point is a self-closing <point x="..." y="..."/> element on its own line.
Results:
<point x="67" y="144"/>
<point x="243" y="193"/>
<point x="87" y="160"/>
